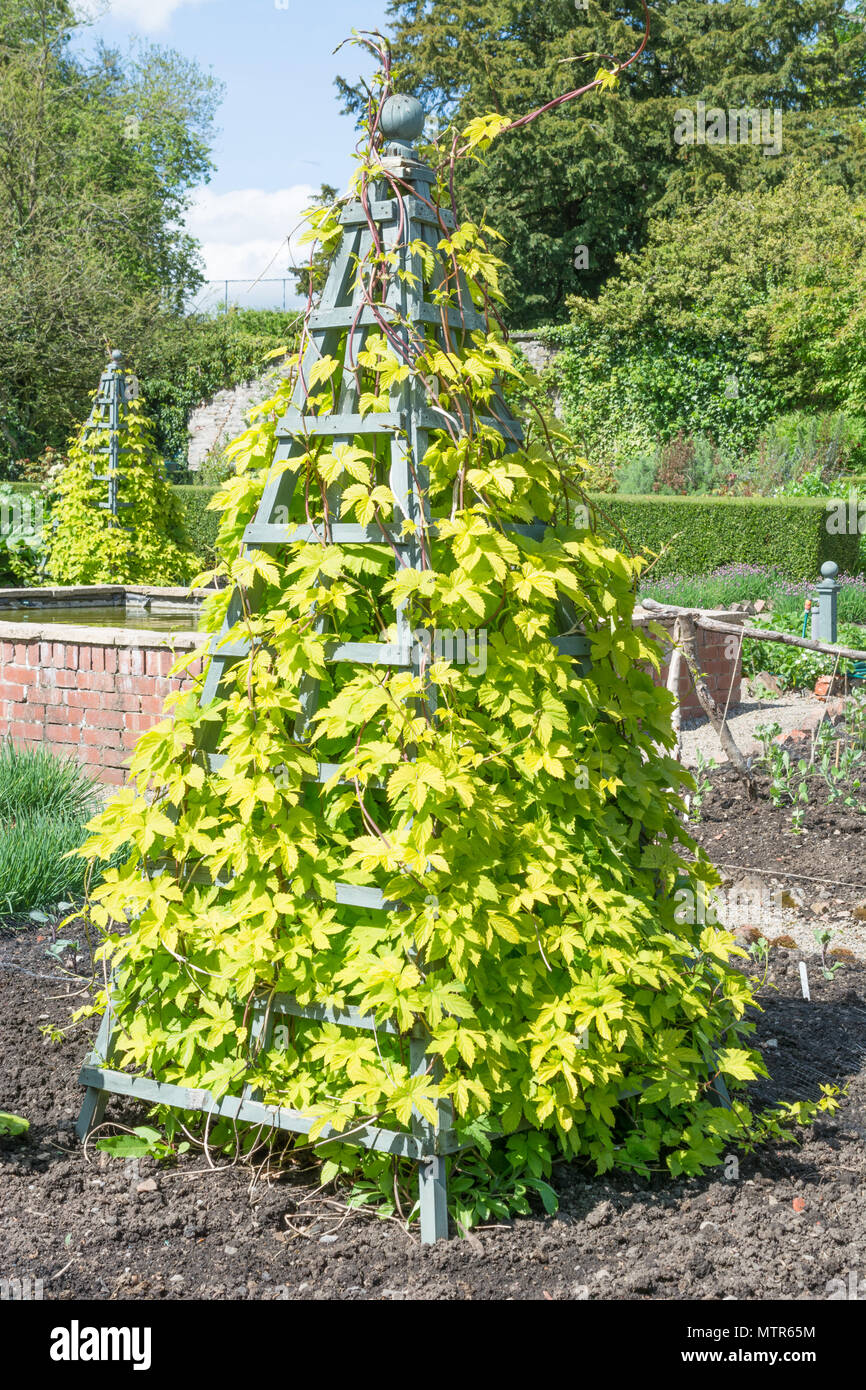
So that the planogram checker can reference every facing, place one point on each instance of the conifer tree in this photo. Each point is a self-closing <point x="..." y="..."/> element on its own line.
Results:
<point x="593" y="174"/>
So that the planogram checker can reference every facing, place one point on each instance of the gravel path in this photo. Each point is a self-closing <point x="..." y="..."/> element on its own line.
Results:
<point x="789" y="710"/>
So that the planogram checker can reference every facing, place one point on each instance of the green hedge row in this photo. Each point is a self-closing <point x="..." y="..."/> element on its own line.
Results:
<point x="201" y="525"/>
<point x="703" y="533"/>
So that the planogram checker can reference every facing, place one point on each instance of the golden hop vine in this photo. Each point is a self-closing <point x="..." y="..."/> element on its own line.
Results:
<point x="146" y="543"/>
<point x="526" y="817"/>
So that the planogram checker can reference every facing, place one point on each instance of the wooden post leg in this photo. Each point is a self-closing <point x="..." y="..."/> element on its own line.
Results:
<point x="91" y="1112"/>
<point x="433" y="1196"/>
<point x="95" y="1101"/>
<point x="723" y="1095"/>
<point x="432" y="1179"/>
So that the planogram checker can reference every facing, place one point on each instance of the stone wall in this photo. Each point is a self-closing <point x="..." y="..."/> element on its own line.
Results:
<point x="537" y="354"/>
<point x="217" y="422"/>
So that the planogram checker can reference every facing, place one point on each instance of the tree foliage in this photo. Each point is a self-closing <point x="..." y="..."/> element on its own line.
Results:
<point x="593" y="174"/>
<point x="98" y="159"/>
<point x="751" y="307"/>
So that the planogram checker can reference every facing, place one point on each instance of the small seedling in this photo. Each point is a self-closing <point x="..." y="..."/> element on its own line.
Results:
<point x="765" y="733"/>
<point x="12" y="1126"/>
<point x="58" y="948"/>
<point x="823" y="938"/>
<point x="141" y="1142"/>
<point x="703" y="769"/>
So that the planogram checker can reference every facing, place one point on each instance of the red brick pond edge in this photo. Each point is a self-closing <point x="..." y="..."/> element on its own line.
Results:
<point x="90" y="692"/>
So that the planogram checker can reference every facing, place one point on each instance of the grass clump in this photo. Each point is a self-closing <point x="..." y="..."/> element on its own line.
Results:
<point x="35" y="779"/>
<point x="45" y="804"/>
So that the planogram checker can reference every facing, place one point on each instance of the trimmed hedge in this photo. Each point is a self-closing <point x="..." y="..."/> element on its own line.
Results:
<point x="789" y="532"/>
<point x="202" y="526"/>
<point x="704" y="533"/>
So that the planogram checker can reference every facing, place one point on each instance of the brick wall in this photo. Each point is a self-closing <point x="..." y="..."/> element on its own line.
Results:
<point x="723" y="671"/>
<point x="90" y="692"/>
<point x="87" y="692"/>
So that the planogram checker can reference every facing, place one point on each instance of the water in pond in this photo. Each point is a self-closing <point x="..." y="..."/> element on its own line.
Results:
<point x="101" y="615"/>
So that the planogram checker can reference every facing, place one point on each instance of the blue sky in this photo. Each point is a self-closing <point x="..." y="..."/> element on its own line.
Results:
<point x="281" y="132"/>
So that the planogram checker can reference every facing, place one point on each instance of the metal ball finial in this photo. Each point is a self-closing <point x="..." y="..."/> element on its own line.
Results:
<point x="401" y="120"/>
<point x="117" y="357"/>
<point x="829" y="569"/>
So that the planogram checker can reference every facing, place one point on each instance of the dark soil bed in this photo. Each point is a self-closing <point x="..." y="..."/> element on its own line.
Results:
<point x="738" y="835"/>
<point x="792" y="1219"/>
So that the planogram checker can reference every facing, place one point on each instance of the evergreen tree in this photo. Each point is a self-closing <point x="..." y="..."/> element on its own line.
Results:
<point x="591" y="173"/>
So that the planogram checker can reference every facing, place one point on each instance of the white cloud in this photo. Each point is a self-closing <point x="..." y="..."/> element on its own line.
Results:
<point x="242" y="231"/>
<point x="147" y="15"/>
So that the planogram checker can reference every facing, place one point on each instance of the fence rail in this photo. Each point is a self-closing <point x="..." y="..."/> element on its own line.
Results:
<point x="277" y="292"/>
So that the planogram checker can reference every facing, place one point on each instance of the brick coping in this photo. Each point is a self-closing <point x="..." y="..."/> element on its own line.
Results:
<point x="75" y="636"/>
<point x="59" y="593"/>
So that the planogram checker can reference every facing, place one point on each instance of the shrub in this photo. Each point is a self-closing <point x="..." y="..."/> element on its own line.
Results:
<point x="22" y="534"/>
<point x="793" y="666"/>
<point x="797" y="455"/>
<point x="39" y="472"/>
<point x="636" y="478"/>
<point x="703" y="533"/>
<point x="689" y="465"/>
<point x="799" y="446"/>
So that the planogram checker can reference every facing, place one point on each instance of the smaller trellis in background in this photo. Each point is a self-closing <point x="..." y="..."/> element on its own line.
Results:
<point x="117" y="388"/>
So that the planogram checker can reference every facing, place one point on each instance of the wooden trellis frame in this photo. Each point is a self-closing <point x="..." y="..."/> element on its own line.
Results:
<point x="401" y="219"/>
<point x="116" y="389"/>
